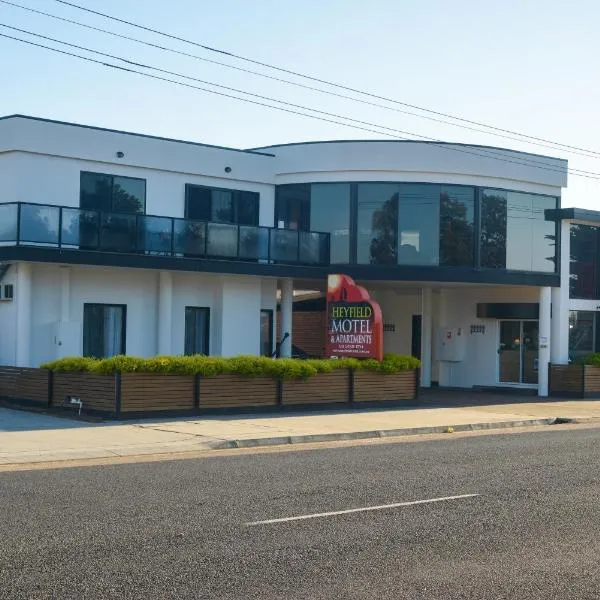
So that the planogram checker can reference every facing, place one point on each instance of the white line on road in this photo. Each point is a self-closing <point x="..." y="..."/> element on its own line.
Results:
<point x="356" y="510"/>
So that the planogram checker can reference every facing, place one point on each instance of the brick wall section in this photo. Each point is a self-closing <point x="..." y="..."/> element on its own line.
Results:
<point x="308" y="332"/>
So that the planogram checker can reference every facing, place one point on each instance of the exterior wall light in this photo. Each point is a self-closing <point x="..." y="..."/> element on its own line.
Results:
<point x="227" y="169"/>
<point x="120" y="154"/>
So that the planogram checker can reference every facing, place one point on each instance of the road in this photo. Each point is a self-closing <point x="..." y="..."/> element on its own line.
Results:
<point x="179" y="529"/>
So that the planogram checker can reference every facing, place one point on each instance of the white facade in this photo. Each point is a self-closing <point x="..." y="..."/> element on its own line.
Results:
<point x="41" y="162"/>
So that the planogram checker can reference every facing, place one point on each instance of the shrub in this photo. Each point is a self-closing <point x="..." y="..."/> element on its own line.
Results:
<point x="245" y="366"/>
<point x="590" y="359"/>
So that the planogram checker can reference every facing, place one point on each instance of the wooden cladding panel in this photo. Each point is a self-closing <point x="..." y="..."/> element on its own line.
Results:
<point x="150" y="392"/>
<point x="592" y="379"/>
<point x="322" y="388"/>
<point x="372" y="387"/>
<point x="566" y="379"/>
<point x="97" y="392"/>
<point x="227" y="390"/>
<point x="24" y="384"/>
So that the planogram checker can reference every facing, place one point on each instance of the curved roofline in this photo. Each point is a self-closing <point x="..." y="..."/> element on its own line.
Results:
<point x="259" y="148"/>
<point x="142" y="135"/>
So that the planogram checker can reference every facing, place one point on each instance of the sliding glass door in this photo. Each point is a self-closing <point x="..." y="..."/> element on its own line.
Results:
<point x="518" y="352"/>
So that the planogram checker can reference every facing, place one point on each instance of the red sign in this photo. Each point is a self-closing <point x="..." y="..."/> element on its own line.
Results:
<point x="354" y="321"/>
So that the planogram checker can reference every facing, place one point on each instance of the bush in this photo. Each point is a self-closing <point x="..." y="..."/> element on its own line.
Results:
<point x="245" y="366"/>
<point x="590" y="359"/>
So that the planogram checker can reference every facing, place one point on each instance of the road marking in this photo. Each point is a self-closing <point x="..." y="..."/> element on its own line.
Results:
<point x="357" y="510"/>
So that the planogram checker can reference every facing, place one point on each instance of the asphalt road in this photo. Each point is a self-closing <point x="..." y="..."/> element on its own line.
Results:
<point x="178" y="529"/>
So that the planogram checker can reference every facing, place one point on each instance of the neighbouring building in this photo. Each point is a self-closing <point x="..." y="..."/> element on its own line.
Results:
<point x="114" y="242"/>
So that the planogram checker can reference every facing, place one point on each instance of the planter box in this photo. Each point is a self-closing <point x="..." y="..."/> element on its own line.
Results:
<point x="323" y="388"/>
<point x="376" y="387"/>
<point x="575" y="381"/>
<point x="29" y="386"/>
<point x="150" y="392"/>
<point x="97" y="392"/>
<point x="232" y="391"/>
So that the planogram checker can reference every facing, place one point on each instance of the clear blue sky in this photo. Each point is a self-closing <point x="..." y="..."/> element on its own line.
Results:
<point x="527" y="66"/>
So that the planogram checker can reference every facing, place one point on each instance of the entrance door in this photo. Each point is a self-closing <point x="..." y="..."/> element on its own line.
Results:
<point x="518" y="352"/>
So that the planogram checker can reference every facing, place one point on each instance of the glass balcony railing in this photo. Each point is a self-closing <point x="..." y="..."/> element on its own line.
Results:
<point x="70" y="228"/>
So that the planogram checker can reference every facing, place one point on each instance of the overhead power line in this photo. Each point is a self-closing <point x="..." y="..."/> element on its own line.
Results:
<point x="479" y="152"/>
<point x="322" y="81"/>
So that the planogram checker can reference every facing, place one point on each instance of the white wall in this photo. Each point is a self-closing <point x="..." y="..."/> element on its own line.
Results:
<point x="8" y="322"/>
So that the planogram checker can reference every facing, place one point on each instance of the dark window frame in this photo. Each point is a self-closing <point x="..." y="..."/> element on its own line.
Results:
<point x="206" y="310"/>
<point x="271" y="316"/>
<point x="236" y="194"/>
<point x="112" y="176"/>
<point x="123" y="324"/>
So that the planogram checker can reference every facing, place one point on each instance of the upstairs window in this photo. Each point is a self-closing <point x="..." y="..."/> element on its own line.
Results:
<point x="221" y="205"/>
<point x="112" y="193"/>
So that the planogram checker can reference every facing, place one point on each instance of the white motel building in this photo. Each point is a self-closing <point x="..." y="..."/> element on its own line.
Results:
<point x="114" y="242"/>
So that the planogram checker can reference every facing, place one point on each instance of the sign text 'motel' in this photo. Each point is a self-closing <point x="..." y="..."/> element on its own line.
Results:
<point x="354" y="321"/>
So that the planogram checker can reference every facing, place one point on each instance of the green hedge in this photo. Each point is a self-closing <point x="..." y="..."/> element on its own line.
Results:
<point x="247" y="366"/>
<point x="590" y="359"/>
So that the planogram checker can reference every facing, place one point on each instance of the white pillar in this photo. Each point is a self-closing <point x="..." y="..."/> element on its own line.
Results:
<point x="560" y="301"/>
<point x="23" y="300"/>
<point x="544" y="340"/>
<point x="426" y="334"/>
<point x="165" y="312"/>
<point x="65" y="294"/>
<point x="287" y="305"/>
<point x="441" y="323"/>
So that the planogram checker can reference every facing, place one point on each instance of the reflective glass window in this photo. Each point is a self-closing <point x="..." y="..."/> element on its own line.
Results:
<point x="583" y="263"/>
<point x="112" y="193"/>
<point x="582" y="333"/>
<point x="457" y="225"/>
<point x="221" y="205"/>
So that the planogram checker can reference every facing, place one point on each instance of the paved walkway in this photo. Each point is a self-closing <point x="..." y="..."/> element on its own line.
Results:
<point x="29" y="437"/>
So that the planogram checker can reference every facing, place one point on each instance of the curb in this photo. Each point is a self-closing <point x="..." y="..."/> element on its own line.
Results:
<point x="385" y="433"/>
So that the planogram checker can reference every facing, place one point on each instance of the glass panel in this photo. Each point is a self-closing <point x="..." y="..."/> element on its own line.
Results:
<point x="457" y="218"/>
<point x="418" y="224"/>
<point x="543" y="235"/>
<point x="311" y="250"/>
<point x="330" y="212"/>
<point x="96" y="192"/>
<point x="254" y="243"/>
<point x="103" y="330"/>
<point x="377" y="223"/>
<point x="493" y="229"/>
<point x="80" y="228"/>
<point x="39" y="224"/>
<point x="129" y="195"/>
<point x="190" y="238"/>
<point x="246" y="206"/>
<point x="197" y="327"/>
<point x="284" y="245"/>
<point x="8" y="222"/>
<point x="585" y="252"/>
<point x="154" y="235"/>
<point x="118" y="233"/>
<point x="197" y="203"/>
<point x="582" y="333"/>
<point x="293" y="206"/>
<point x="221" y="206"/>
<point x="266" y="332"/>
<point x="530" y="347"/>
<point x="509" y="353"/>
<point x="222" y="240"/>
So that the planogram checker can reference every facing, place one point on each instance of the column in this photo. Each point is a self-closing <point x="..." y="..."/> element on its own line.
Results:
<point x="426" y="334"/>
<point x="544" y="340"/>
<point x="287" y="305"/>
<point x="23" y="300"/>
<point x="442" y="322"/>
<point x="559" y="351"/>
<point x="165" y="312"/>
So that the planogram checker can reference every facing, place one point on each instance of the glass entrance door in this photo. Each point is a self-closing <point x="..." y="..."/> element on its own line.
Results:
<point x="518" y="352"/>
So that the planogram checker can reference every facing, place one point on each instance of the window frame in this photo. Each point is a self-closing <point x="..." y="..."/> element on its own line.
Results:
<point x="123" y="325"/>
<point x="235" y="200"/>
<point x="207" y="311"/>
<point x="112" y="185"/>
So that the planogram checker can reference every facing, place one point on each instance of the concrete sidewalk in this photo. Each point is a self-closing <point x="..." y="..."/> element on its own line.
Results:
<point x="32" y="438"/>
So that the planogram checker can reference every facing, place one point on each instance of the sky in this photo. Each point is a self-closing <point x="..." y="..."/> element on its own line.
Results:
<point x="527" y="66"/>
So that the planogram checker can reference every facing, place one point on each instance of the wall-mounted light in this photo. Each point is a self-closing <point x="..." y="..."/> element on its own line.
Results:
<point x="120" y="154"/>
<point x="227" y="169"/>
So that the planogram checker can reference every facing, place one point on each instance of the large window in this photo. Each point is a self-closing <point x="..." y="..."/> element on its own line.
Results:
<point x="104" y="330"/>
<point x="112" y="193"/>
<point x="323" y="207"/>
<point x="585" y="253"/>
<point x="221" y="205"/>
<point x="197" y="328"/>
<point x="266" y="332"/>
<point x="514" y="232"/>
<point x="377" y="223"/>
<point x="457" y="225"/>
<point x="582" y="333"/>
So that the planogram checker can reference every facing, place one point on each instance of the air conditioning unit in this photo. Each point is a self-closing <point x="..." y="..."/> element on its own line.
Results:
<point x="7" y="292"/>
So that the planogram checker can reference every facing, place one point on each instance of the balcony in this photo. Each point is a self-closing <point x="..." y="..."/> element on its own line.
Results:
<point x="68" y="228"/>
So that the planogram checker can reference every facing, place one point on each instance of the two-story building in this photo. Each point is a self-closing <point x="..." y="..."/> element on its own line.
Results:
<point x="114" y="242"/>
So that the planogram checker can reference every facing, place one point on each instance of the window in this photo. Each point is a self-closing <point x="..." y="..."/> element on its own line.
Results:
<point x="221" y="205"/>
<point x="582" y="333"/>
<point x="585" y="252"/>
<point x="112" y="193"/>
<point x="457" y="220"/>
<point x="514" y="232"/>
<point x="197" y="328"/>
<point x="104" y="330"/>
<point x="266" y="332"/>
<point x="377" y="223"/>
